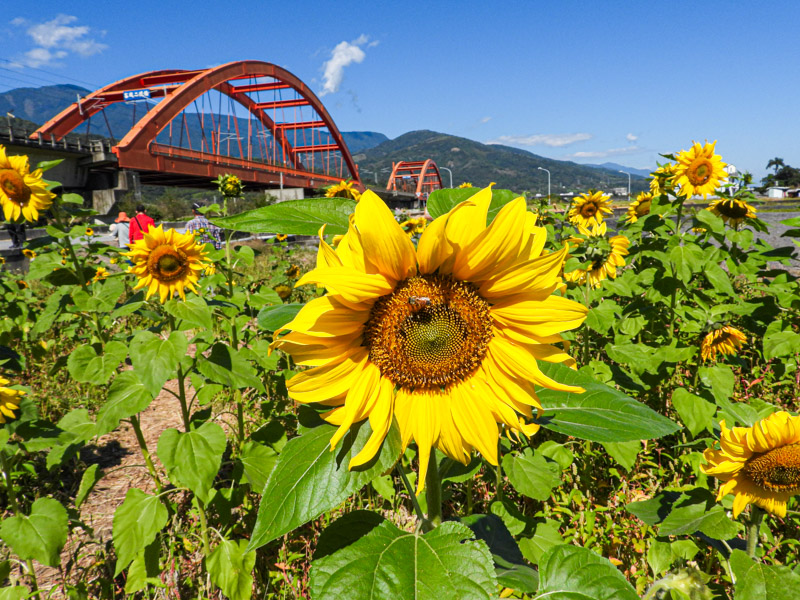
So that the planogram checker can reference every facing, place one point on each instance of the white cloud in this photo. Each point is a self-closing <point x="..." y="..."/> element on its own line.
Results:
<point x="606" y="153"/>
<point x="56" y="39"/>
<point x="486" y="119"/>
<point x="343" y="55"/>
<point x="554" y="140"/>
<point x="631" y="137"/>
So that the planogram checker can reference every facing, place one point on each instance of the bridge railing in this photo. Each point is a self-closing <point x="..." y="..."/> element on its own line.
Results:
<point x="20" y="134"/>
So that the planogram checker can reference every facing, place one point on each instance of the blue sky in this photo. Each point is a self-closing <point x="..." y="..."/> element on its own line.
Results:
<point x="584" y="81"/>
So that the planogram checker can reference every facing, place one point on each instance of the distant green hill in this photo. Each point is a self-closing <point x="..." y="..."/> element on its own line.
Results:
<point x="481" y="164"/>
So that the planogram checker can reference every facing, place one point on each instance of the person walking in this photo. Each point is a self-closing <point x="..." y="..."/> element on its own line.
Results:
<point x="203" y="229"/>
<point x="139" y="225"/>
<point x="121" y="227"/>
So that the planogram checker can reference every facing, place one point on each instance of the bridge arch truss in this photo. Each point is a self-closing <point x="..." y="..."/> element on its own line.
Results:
<point x="417" y="177"/>
<point x="252" y="119"/>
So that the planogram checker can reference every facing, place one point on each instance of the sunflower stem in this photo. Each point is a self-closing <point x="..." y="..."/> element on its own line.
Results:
<point x="753" y="528"/>
<point x="433" y="492"/>
<point x="499" y="472"/>
<point x="12" y="500"/>
<point x="137" y="429"/>
<point x="585" y="326"/>
<point x="70" y="248"/>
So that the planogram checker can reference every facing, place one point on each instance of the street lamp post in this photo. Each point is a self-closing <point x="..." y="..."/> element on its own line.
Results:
<point x="629" y="184"/>
<point x="548" y="182"/>
<point x="451" y="175"/>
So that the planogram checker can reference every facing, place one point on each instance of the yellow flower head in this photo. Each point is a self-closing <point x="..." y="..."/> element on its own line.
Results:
<point x="230" y="186"/>
<point x="89" y="231"/>
<point x="725" y="340"/>
<point x="344" y="189"/>
<point x="167" y="262"/>
<point x="604" y="264"/>
<point x="100" y="274"/>
<point x="113" y="260"/>
<point x="283" y="291"/>
<point x="22" y="194"/>
<point x="9" y="401"/>
<point x="466" y="184"/>
<point x="759" y="464"/>
<point x="29" y="253"/>
<point x="293" y="272"/>
<point x="281" y="237"/>
<point x="661" y="181"/>
<point x="699" y="171"/>
<point x="588" y="209"/>
<point x="445" y="337"/>
<point x="2" y="260"/>
<point x="732" y="211"/>
<point x="639" y="207"/>
<point x="22" y="284"/>
<point x="414" y="226"/>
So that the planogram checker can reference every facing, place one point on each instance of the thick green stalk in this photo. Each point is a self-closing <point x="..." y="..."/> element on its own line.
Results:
<point x="12" y="500"/>
<point x="407" y="484"/>
<point x="182" y="399"/>
<point x="674" y="296"/>
<point x="585" y="326"/>
<point x="433" y="492"/>
<point x="203" y="526"/>
<point x="753" y="528"/>
<point x="70" y="248"/>
<point x="137" y="429"/>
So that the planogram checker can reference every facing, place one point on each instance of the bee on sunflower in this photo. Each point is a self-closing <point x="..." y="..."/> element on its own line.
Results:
<point x="699" y="171"/>
<point x="589" y="209"/>
<point x="603" y="253"/>
<point x="760" y="465"/>
<point x="725" y="340"/>
<point x="343" y="189"/>
<point x="732" y="210"/>
<point x="23" y="195"/>
<point x="167" y="262"/>
<point x="640" y="207"/>
<point x="9" y="401"/>
<point x="445" y="338"/>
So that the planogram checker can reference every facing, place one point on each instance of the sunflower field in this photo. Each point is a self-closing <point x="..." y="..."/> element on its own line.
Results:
<point x="489" y="402"/>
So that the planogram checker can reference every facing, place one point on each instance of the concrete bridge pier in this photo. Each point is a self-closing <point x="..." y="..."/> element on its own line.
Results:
<point x="108" y="188"/>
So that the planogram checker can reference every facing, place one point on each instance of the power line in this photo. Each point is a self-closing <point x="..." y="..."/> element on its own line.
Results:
<point x="89" y="83"/>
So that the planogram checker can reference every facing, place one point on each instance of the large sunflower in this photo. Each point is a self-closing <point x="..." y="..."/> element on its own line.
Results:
<point x="725" y="340"/>
<point x="9" y="401"/>
<point x="344" y="189"/>
<point x="639" y="207"/>
<point x="22" y="193"/>
<point x="587" y="209"/>
<point x="732" y="211"/>
<point x="759" y="464"/>
<point x="606" y="256"/>
<point x="167" y="262"/>
<point x="699" y="171"/>
<point x="445" y="337"/>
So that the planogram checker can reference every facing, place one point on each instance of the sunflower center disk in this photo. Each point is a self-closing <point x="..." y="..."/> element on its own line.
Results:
<point x="430" y="332"/>
<point x="733" y="209"/>
<point x="589" y="209"/>
<point x="777" y="470"/>
<point x="701" y="173"/>
<point x="167" y="263"/>
<point x="14" y="186"/>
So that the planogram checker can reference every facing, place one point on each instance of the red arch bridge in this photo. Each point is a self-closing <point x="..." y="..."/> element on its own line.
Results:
<point x="417" y="177"/>
<point x="249" y="118"/>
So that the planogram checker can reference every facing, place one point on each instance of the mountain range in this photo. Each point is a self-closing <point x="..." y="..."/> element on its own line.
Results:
<point x="477" y="163"/>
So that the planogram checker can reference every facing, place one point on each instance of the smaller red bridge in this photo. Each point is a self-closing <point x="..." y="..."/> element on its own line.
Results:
<point x="416" y="177"/>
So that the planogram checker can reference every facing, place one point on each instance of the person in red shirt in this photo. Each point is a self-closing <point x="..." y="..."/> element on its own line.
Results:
<point x="139" y="225"/>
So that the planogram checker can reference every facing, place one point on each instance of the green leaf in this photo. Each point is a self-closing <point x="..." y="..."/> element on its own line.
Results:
<point x="443" y="201"/>
<point x="192" y="459"/>
<point x="230" y="567"/>
<point x="624" y="453"/>
<point x="531" y="473"/>
<point x="557" y="452"/>
<point x="391" y="563"/>
<point x="40" y="535"/>
<point x="781" y="343"/>
<point x="698" y="511"/>
<point x="719" y="279"/>
<point x="572" y="573"/>
<point x="600" y="414"/>
<point x="295" y="217"/>
<point x="310" y="479"/>
<point x="545" y="537"/>
<point x="601" y="317"/>
<point x="686" y="260"/>
<point x="136" y="522"/>
<point x="144" y="569"/>
<point x="656" y="509"/>
<point x="345" y="530"/>
<point x="757" y="581"/>
<point x="194" y="311"/>
<point x="156" y="359"/>
<point x="258" y="461"/>
<point x="89" y="478"/>
<point x="719" y="379"/>
<point x="93" y="363"/>
<point x="228" y="366"/>
<point x="275" y="317"/>
<point x="14" y="592"/>
<point x="127" y="396"/>
<point x="695" y="412"/>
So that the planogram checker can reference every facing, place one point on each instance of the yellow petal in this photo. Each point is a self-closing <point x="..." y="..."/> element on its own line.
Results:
<point x="473" y="418"/>
<point x="349" y="283"/>
<point x="327" y="317"/>
<point x="517" y="360"/>
<point x="468" y="219"/>
<point x="359" y="394"/>
<point x="326" y="256"/>
<point x="380" y="420"/>
<point x="323" y="383"/>
<point x="433" y="248"/>
<point x="386" y="246"/>
<point x="552" y="315"/>
<point x="526" y="277"/>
